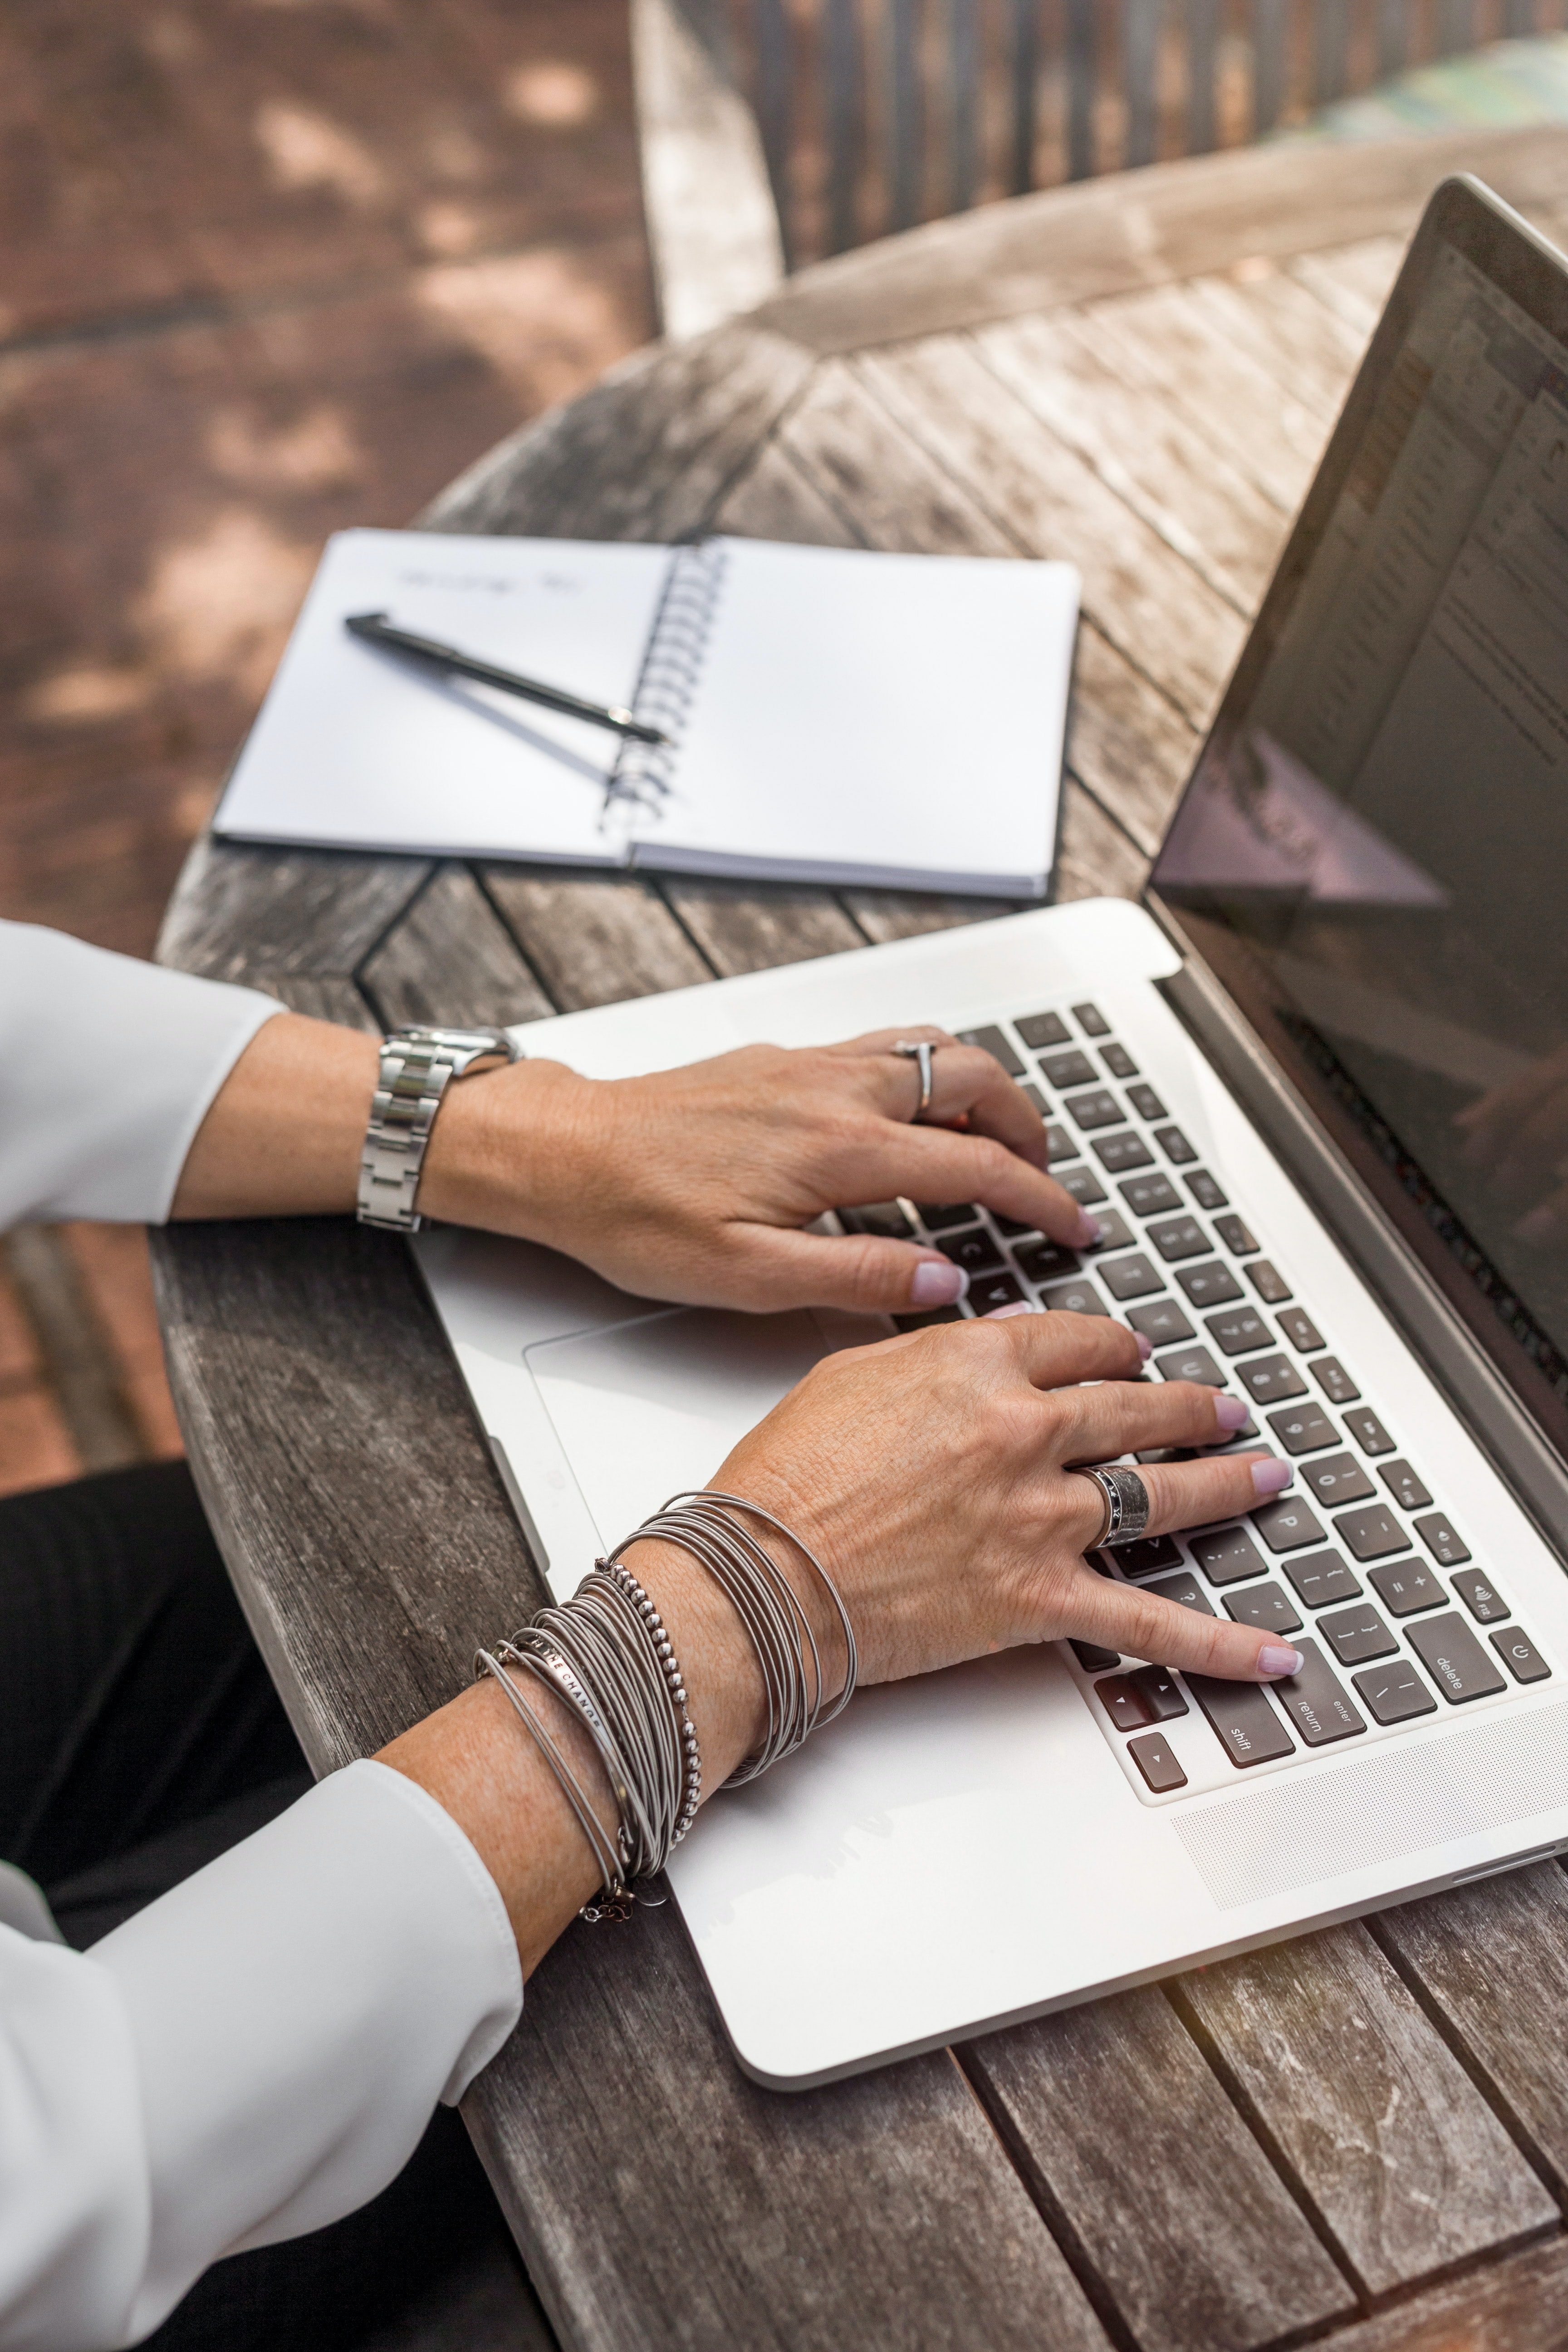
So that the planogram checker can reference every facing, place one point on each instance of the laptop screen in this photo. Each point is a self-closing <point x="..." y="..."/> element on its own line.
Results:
<point x="1373" y="852"/>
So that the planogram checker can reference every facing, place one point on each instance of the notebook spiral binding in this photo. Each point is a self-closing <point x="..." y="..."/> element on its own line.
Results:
<point x="671" y="667"/>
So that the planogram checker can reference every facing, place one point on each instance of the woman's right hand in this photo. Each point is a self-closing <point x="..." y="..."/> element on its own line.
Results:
<point x="932" y="1475"/>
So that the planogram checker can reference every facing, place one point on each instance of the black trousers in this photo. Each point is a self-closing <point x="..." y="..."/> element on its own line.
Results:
<point x="140" y="1735"/>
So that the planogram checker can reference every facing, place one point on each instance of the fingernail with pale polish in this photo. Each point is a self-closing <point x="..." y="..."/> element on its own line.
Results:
<point x="1090" y="1230"/>
<point x="1230" y="1411"/>
<point x="1269" y="1477"/>
<point x="938" y="1283"/>
<point x="1000" y="1313"/>
<point x="1146" y="1345"/>
<point x="1278" y="1658"/>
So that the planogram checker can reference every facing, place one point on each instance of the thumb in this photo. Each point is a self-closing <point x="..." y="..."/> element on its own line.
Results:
<point x="1146" y="1625"/>
<point x="862" y="1272"/>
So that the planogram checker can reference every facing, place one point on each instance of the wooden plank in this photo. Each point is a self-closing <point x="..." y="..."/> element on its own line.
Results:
<point x="1140" y="64"/>
<point x="910" y="914"/>
<point x="905" y="114"/>
<point x="239" y="910"/>
<point x="1126" y="742"/>
<point x="739" y="928"/>
<point x="1184" y="486"/>
<point x="646" y="454"/>
<point x="1397" y="2151"/>
<point x="1393" y="37"/>
<point x="1175" y="220"/>
<point x="1491" y="1961"/>
<point x="1354" y="281"/>
<point x="1026" y="69"/>
<point x="1270" y="21"/>
<point x="1146" y="2171"/>
<point x="1095" y="858"/>
<point x="1515" y="2306"/>
<point x="883" y="485"/>
<point x="963" y="82"/>
<point x="1203" y="37"/>
<point x="1082" y="73"/>
<point x="774" y="47"/>
<point x="1331" y="49"/>
<point x="976" y="425"/>
<point x="594" y="939"/>
<point x="843" y="108"/>
<point x="450" y="959"/>
<point x="777" y="500"/>
<point x="1309" y="352"/>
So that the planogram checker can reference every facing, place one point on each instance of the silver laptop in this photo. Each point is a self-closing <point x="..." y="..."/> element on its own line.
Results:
<point x="1316" y="1089"/>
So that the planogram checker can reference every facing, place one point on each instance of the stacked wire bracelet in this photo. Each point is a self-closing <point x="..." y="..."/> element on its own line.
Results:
<point x="606" y="1653"/>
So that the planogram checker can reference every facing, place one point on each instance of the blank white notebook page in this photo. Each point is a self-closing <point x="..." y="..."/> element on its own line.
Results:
<point x="358" y="748"/>
<point x="897" y="715"/>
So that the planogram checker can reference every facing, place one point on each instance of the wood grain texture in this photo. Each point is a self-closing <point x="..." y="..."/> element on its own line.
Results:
<point x="888" y="490"/>
<point x="1133" y="2149"/>
<point x="596" y="938"/>
<point x="1517" y="2307"/>
<point x="239" y="909"/>
<point x="1095" y="859"/>
<point x="450" y="959"/>
<point x="1397" y="2151"/>
<point x="739" y="928"/>
<point x="909" y="914"/>
<point x="1126" y="742"/>
<point x="1491" y="1963"/>
<point x="777" y="500"/>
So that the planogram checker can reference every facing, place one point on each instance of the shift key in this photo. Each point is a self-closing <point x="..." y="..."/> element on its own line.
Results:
<point x="1245" y="1724"/>
<point x="1315" y="1700"/>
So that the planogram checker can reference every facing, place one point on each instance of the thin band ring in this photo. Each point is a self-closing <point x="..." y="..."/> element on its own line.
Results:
<point x="1126" y="1501"/>
<point x="918" y="1051"/>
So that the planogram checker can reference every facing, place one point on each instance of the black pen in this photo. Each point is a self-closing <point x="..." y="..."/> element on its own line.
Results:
<point x="376" y="629"/>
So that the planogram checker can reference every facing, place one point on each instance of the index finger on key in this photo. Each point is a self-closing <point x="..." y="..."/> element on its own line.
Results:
<point x="1139" y="1624"/>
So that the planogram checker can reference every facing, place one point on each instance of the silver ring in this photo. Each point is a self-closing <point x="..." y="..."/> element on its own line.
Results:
<point x="1126" y="1500"/>
<point x="918" y="1051"/>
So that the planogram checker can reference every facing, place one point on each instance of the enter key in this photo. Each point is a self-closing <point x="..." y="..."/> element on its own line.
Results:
<point x="1315" y="1701"/>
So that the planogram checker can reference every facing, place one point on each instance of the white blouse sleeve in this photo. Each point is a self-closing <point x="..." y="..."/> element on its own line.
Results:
<point x="254" y="2055"/>
<point x="107" y="1066"/>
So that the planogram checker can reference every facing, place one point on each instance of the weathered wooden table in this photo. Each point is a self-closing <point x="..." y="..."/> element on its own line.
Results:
<point x="1362" y="2136"/>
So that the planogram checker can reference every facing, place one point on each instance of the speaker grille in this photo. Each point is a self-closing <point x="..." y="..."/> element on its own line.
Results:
<point x="1296" y="1830"/>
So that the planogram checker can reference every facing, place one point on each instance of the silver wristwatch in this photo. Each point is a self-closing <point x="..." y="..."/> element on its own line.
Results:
<point x="418" y="1066"/>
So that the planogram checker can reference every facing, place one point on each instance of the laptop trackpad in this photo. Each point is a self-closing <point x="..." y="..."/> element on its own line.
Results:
<point x="648" y="1408"/>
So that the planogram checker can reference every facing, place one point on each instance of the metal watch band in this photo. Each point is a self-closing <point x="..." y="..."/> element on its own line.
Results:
<point x="416" y="1068"/>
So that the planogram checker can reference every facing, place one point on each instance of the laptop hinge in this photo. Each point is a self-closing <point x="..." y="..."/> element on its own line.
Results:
<point x="1424" y="1319"/>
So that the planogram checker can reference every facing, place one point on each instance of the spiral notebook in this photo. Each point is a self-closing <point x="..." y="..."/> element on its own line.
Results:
<point x="834" y="715"/>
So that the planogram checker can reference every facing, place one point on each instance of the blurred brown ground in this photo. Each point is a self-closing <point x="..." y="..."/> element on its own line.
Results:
<point x="267" y="268"/>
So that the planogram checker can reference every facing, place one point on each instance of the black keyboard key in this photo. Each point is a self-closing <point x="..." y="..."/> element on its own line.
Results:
<point x="1150" y="1196"/>
<point x="1065" y="1071"/>
<point x="1287" y="1524"/>
<point x="1159" y="1694"/>
<point x="989" y="1291"/>
<point x="1455" y="1659"/>
<point x="1481" y="1597"/>
<point x="1060" y="1145"/>
<point x="1010" y="1225"/>
<point x="1096" y="1110"/>
<point x="1119" y="1061"/>
<point x="1272" y="1378"/>
<point x="1131" y="1277"/>
<point x="1145" y="1102"/>
<point x="936" y="1216"/>
<point x="1209" y="1285"/>
<point x="1184" y="1591"/>
<point x="1444" y="1545"/>
<point x="1239" y="1331"/>
<point x="1082" y="1184"/>
<point x="1205" y="1191"/>
<point x="1357" y="1634"/>
<point x="1300" y="1330"/>
<point x="1114" y="1232"/>
<point x="1303" y="1429"/>
<point x="1039" y="1030"/>
<point x="1269" y="1282"/>
<point x="1519" y="1656"/>
<point x="1335" y="1479"/>
<point x="1092" y="1020"/>
<point x="1152" y="1756"/>
<point x="1079" y="1298"/>
<point x="1120" y="1152"/>
<point x="1162" y="1324"/>
<point x="1229" y="1556"/>
<point x="1265" y="1606"/>
<point x="1315" y="1701"/>
<point x="1144" y="1556"/>
<point x="1246" y="1725"/>
<point x="1177" y="1237"/>
<point x="1034" y="1097"/>
<point x="1405" y="1586"/>
<point x="1124" y="1701"/>
<point x="1190" y="1364"/>
<point x="1339" y="1388"/>
<point x="1237" y="1237"/>
<point x="1372" y="1534"/>
<point x="1321" y="1577"/>
<point x="883" y="1217"/>
<point x="931" y="1315"/>
<point x="1367" y="1430"/>
<point x="973" y="1250"/>
<point x="992" y="1041"/>
<point x="1174" y="1146"/>
<point x="1404" y="1486"/>
<point x="1045" y="1261"/>
<point x="1395" y="1693"/>
<point x="1092" y="1658"/>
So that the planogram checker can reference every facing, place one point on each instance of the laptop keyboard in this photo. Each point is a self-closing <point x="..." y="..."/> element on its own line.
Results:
<point x="1356" y="1565"/>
